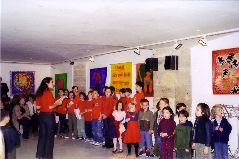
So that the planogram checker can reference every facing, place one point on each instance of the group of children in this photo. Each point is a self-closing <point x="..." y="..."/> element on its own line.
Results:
<point x="108" y="121"/>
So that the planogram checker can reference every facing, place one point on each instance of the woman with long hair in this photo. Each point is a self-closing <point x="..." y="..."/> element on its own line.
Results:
<point x="46" y="103"/>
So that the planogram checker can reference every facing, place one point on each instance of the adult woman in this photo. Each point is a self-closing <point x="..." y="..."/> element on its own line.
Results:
<point x="46" y="103"/>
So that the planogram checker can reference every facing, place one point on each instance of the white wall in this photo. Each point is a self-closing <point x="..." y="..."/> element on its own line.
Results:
<point x="121" y="57"/>
<point x="41" y="71"/>
<point x="201" y="70"/>
<point x="63" y="68"/>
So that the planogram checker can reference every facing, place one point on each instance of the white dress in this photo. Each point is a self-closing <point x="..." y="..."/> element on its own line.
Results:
<point x="120" y="116"/>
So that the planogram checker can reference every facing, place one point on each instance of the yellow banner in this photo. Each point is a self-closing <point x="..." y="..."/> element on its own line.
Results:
<point x="121" y="76"/>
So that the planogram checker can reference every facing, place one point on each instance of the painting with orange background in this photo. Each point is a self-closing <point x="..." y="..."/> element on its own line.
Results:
<point x="146" y="77"/>
<point x="225" y="70"/>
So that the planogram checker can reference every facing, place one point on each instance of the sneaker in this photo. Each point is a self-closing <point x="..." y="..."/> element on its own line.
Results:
<point x="97" y="144"/>
<point x="114" y="151"/>
<point x="120" y="151"/>
<point x="81" y="138"/>
<point x="141" y="153"/>
<point x="149" y="155"/>
<point x="73" y="138"/>
<point x="93" y="142"/>
<point x="66" y="137"/>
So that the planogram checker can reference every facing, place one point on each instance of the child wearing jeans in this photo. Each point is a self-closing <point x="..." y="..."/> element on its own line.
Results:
<point x="166" y="130"/>
<point x="132" y="133"/>
<point x="119" y="120"/>
<point x="220" y="134"/>
<point x="88" y="117"/>
<point x="202" y="132"/>
<point x="146" y="122"/>
<point x="182" y="138"/>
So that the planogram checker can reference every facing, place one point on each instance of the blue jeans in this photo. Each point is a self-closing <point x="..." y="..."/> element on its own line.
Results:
<point x="221" y="150"/>
<point x="97" y="130"/>
<point x="146" y="139"/>
<point x="158" y="143"/>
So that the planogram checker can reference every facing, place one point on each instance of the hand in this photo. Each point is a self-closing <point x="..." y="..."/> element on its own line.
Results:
<point x="221" y="129"/>
<point x="100" y="118"/>
<point x="186" y="150"/>
<point x="175" y="149"/>
<point x="217" y="128"/>
<point x="127" y="120"/>
<point x="104" y="116"/>
<point x="150" y="131"/>
<point x="164" y="134"/>
<point x="205" y="151"/>
<point x="193" y="146"/>
<point x="59" y="102"/>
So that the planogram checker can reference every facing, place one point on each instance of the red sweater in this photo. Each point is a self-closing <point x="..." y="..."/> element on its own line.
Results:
<point x="45" y="101"/>
<point x="108" y="105"/>
<point x="138" y="96"/>
<point x="88" y="114"/>
<point x="81" y="106"/>
<point x="96" y="108"/>
<point x="62" y="109"/>
<point x="73" y="106"/>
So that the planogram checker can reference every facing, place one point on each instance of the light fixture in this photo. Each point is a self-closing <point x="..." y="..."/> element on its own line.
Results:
<point x="177" y="45"/>
<point x="137" y="51"/>
<point x="92" y="59"/>
<point x="203" y="41"/>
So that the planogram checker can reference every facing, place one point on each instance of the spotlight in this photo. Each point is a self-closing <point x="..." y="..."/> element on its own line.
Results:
<point x="72" y="62"/>
<point x="177" y="45"/>
<point x="203" y="41"/>
<point x="137" y="51"/>
<point x="92" y="59"/>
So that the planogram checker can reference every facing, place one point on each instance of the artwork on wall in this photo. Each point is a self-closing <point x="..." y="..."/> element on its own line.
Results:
<point x="121" y="76"/>
<point x="98" y="78"/>
<point x="60" y="82"/>
<point x="22" y="82"/>
<point x="146" y="77"/>
<point x="225" y="70"/>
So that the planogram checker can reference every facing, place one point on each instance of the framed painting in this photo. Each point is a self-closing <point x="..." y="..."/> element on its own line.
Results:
<point x="60" y="82"/>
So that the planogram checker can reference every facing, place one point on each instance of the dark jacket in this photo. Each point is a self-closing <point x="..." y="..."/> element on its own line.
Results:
<point x="11" y="138"/>
<point x="167" y="126"/>
<point x="182" y="137"/>
<point x="218" y="136"/>
<point x="202" y="131"/>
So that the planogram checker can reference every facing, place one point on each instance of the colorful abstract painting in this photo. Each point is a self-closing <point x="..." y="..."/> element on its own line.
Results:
<point x="147" y="78"/>
<point x="60" y="82"/>
<point x="22" y="82"/>
<point x="98" y="78"/>
<point x="225" y="70"/>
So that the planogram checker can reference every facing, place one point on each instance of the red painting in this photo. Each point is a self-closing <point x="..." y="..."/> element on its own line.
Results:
<point x="225" y="70"/>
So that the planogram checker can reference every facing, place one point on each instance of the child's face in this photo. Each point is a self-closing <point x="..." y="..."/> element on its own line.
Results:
<point x="198" y="111"/>
<point x="122" y="94"/>
<point x="1" y="105"/>
<point x="75" y="90"/>
<point x="107" y="92"/>
<point x="90" y="96"/>
<point x="6" y="119"/>
<point x="61" y="93"/>
<point x="166" y="114"/>
<point x="182" y="118"/>
<point x="131" y="107"/>
<point x="145" y="106"/>
<point x="66" y="93"/>
<point x="127" y="94"/>
<point x="82" y="97"/>
<point x="95" y="95"/>
<point x="138" y="88"/>
<point x="120" y="106"/>
<point x="22" y="101"/>
<point x="71" y="95"/>
<point x="219" y="112"/>
<point x="162" y="104"/>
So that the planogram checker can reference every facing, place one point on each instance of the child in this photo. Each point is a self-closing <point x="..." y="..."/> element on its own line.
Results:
<point x="108" y="103"/>
<point x="165" y="130"/>
<point x="81" y="122"/>
<point x="132" y="133"/>
<point x="10" y="135"/>
<point x="182" y="138"/>
<point x="122" y="96"/>
<point x="220" y="133"/>
<point x="139" y="94"/>
<point x="97" y="123"/>
<point x="202" y="132"/>
<point x="146" y="122"/>
<point x="128" y="99"/>
<point x="158" y="116"/>
<point x="72" y="120"/>
<point x="119" y="120"/>
<point x="61" y="111"/>
<point x="88" y="117"/>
